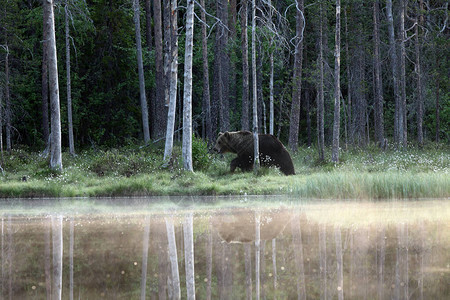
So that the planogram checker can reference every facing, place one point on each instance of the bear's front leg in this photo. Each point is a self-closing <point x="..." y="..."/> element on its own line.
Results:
<point x="234" y="164"/>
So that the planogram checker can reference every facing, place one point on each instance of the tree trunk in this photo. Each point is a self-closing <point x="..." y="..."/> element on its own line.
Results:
<point x="297" y="80"/>
<point x="173" y="83"/>
<point x="419" y="103"/>
<point x="55" y="148"/>
<point x="69" y="92"/>
<point x="379" y="102"/>
<point x="173" y="257"/>
<point x="394" y="66"/>
<point x="57" y="237"/>
<point x="187" y="105"/>
<point x="44" y="105"/>
<point x="320" y="100"/>
<point x="167" y="49"/>
<point x="159" y="115"/>
<point x="245" y="75"/>
<point x="144" y="107"/>
<point x="255" y="95"/>
<point x="206" y="94"/>
<point x="271" y="108"/>
<point x="188" y="225"/>
<point x="403" y="73"/>
<point x="8" y="112"/>
<point x="349" y="86"/>
<point x="337" y="85"/>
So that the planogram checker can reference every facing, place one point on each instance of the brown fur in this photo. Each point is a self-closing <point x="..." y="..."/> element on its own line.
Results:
<point x="271" y="151"/>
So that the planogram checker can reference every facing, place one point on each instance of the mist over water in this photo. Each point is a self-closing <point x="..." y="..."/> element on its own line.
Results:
<point x="225" y="248"/>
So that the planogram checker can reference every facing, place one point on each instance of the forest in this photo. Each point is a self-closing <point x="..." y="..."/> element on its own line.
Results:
<point x="321" y="73"/>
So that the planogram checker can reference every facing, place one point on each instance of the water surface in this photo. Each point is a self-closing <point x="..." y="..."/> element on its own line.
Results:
<point x="271" y="247"/>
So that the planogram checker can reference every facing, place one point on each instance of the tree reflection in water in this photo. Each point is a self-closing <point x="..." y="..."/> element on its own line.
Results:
<point x="342" y="250"/>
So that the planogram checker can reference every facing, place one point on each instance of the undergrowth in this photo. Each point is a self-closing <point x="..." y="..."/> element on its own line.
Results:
<point x="138" y="171"/>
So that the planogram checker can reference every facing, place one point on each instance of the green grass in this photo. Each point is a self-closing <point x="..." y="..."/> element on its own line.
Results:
<point x="135" y="171"/>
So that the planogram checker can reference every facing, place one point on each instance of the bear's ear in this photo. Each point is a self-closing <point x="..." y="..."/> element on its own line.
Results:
<point x="227" y="134"/>
<point x="220" y="133"/>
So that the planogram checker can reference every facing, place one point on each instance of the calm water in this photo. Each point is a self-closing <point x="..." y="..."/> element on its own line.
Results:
<point x="225" y="248"/>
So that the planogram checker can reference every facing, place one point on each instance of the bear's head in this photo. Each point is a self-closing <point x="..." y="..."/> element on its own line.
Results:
<point x="223" y="143"/>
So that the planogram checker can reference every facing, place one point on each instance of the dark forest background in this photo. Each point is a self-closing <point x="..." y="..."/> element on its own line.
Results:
<point x="105" y="83"/>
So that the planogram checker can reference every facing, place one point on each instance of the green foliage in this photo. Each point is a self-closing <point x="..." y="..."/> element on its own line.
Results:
<point x="200" y="154"/>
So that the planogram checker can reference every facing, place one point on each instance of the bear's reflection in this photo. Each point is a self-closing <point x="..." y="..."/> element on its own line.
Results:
<point x="238" y="225"/>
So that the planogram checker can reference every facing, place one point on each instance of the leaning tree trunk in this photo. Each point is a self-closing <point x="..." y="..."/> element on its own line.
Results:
<point x="55" y="147"/>
<point x="337" y="85"/>
<point x="69" y="86"/>
<point x="245" y="75"/>
<point x="173" y="84"/>
<point x="255" y="95"/>
<point x="187" y="105"/>
<point x="379" y="123"/>
<point x="206" y="94"/>
<point x="144" y="107"/>
<point x="297" y="80"/>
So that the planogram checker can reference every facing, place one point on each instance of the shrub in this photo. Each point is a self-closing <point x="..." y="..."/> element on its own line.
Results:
<point x="200" y="155"/>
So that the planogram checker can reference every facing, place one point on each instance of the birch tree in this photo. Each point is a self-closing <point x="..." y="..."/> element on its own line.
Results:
<point x="255" y="94"/>
<point x="245" y="75"/>
<point x="173" y="83"/>
<point x="320" y="100"/>
<point x="68" y="83"/>
<point x="206" y="94"/>
<point x="297" y="80"/>
<point x="143" y="98"/>
<point x="55" y="147"/>
<point x="187" y="105"/>
<point x="44" y="103"/>
<point x="158" y="115"/>
<point x="418" y="70"/>
<point x="337" y="85"/>
<point x="403" y="107"/>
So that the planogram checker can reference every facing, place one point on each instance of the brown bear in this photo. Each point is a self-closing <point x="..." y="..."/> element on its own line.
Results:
<point x="271" y="151"/>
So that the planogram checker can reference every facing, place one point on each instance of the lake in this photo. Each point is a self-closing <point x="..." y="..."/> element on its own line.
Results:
<point x="269" y="247"/>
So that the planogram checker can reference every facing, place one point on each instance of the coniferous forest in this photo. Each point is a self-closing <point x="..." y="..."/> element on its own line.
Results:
<point x="331" y="74"/>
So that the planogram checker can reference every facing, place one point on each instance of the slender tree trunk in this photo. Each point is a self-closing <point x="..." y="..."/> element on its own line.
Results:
<point x="379" y="102"/>
<point x="339" y="262"/>
<point x="173" y="257"/>
<point x="403" y="72"/>
<point x="187" y="105"/>
<point x="255" y="95"/>
<point x="437" y="109"/>
<point x="44" y="105"/>
<point x="189" y="233"/>
<point x="1" y="132"/>
<point x="69" y="86"/>
<point x="143" y="98"/>
<point x="55" y="148"/>
<point x="167" y="49"/>
<point x="349" y="84"/>
<point x="145" y="241"/>
<point x="206" y="94"/>
<point x="297" y="80"/>
<point x="8" y="112"/>
<point x="337" y="85"/>
<point x="158" y="115"/>
<point x="245" y="75"/>
<point x="57" y="237"/>
<point x="271" y="108"/>
<point x="173" y="83"/>
<point x="320" y="100"/>
<point x="419" y="112"/>
<point x="149" y="44"/>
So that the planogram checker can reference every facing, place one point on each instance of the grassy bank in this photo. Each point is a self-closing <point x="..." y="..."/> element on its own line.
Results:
<point x="135" y="171"/>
